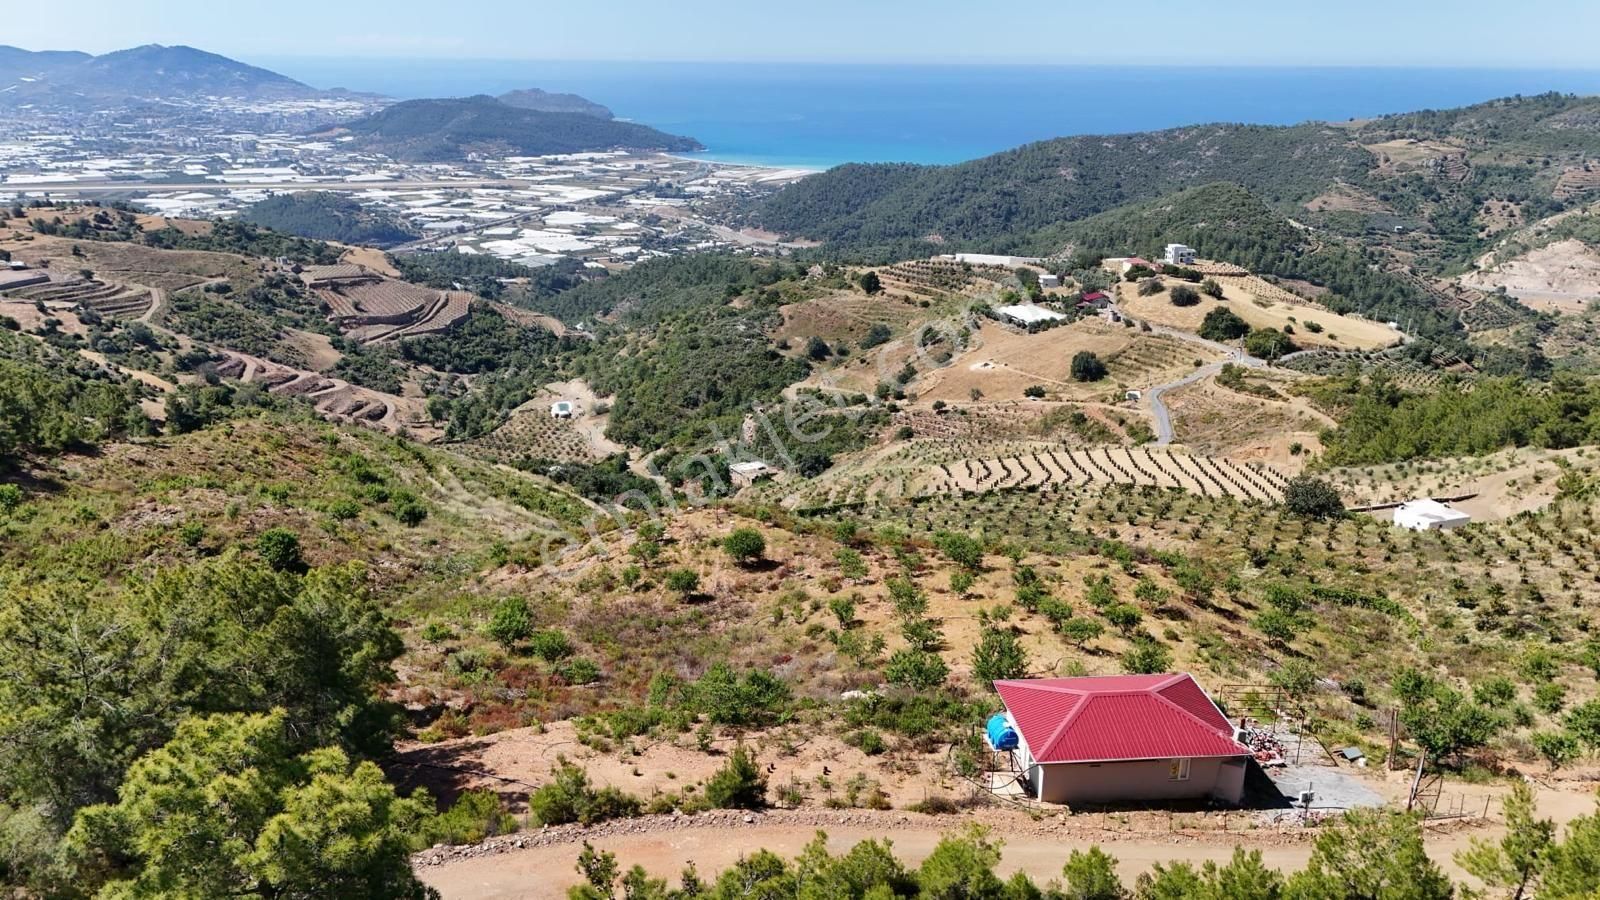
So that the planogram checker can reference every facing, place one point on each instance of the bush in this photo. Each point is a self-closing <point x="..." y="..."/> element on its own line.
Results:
<point x="1146" y="658"/>
<point x="740" y="784"/>
<point x="683" y="581"/>
<point x="870" y="282"/>
<point x="570" y="798"/>
<point x="998" y="656"/>
<point x="1149" y="287"/>
<point x="1183" y="295"/>
<point x="579" y="671"/>
<point x="475" y="816"/>
<point x="511" y="622"/>
<point x="1221" y="324"/>
<point x="917" y="669"/>
<point x="745" y="545"/>
<point x="1034" y="391"/>
<point x="1312" y="498"/>
<point x="1268" y="343"/>
<point x="280" y="549"/>
<point x="550" y="645"/>
<point x="1211" y="288"/>
<point x="10" y="498"/>
<point x="1086" y="366"/>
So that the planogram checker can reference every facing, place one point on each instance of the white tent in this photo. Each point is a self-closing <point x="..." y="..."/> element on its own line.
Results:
<point x="1429" y="515"/>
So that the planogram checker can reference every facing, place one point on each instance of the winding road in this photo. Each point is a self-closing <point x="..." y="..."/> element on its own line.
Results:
<point x="1158" y="407"/>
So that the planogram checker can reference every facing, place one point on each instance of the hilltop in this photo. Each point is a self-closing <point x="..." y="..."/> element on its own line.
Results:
<point x="452" y="129"/>
<point x="1432" y="186"/>
<point x="152" y="71"/>
<point x="546" y="101"/>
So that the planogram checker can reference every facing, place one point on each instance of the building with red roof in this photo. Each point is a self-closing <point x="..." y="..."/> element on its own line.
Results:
<point x="1123" y="739"/>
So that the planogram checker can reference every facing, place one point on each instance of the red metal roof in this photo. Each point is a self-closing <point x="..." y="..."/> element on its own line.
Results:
<point x="1117" y="717"/>
<point x="1095" y="295"/>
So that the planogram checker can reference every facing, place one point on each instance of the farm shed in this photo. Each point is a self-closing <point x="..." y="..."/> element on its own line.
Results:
<point x="1123" y="739"/>
<point x="1026" y="314"/>
<point x="1426" y="514"/>
<point x="747" y="473"/>
<point x="561" y="409"/>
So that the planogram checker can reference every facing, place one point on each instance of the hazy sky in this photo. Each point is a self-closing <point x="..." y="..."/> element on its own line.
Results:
<point x="1467" y="33"/>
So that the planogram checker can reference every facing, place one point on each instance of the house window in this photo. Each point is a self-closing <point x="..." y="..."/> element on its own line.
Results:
<point x="1178" y="770"/>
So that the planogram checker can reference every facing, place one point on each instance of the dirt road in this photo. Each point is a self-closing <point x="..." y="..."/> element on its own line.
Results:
<point x="547" y="872"/>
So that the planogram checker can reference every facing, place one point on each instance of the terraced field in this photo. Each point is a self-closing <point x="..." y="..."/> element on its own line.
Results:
<point x="930" y="468"/>
<point x="372" y="309"/>
<point x="532" y="434"/>
<point x="1403" y="371"/>
<point x="111" y="299"/>
<point x="332" y="398"/>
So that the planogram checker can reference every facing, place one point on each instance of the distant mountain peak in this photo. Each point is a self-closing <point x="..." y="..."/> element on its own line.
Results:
<point x="545" y="101"/>
<point x="149" y="71"/>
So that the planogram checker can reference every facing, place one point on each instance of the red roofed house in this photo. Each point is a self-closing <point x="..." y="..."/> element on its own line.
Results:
<point x="1123" y="738"/>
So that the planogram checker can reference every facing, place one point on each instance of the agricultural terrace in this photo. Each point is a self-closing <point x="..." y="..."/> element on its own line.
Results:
<point x="849" y="317"/>
<point x="1497" y="486"/>
<point x="924" y="468"/>
<point x="1004" y="362"/>
<point x="1246" y="414"/>
<point x="1406" y="373"/>
<point x="1260" y="305"/>
<point x="531" y="433"/>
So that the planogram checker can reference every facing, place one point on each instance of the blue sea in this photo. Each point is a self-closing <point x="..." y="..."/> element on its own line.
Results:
<point x="819" y="115"/>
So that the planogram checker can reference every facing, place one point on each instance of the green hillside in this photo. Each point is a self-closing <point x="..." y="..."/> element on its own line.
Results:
<point x="995" y="202"/>
<point x="326" y="216"/>
<point x="449" y="129"/>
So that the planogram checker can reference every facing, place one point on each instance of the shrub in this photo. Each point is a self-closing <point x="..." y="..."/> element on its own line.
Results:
<point x="1086" y="366"/>
<point x="916" y="669"/>
<point x="1211" y="288"/>
<point x="550" y="645"/>
<point x="10" y="498"/>
<point x="1149" y="287"/>
<point x="511" y="622"/>
<point x="870" y="283"/>
<point x="1034" y="391"/>
<point x="1222" y="324"/>
<point x="280" y="549"/>
<point x="745" y="545"/>
<point x="1268" y="343"/>
<point x="683" y="581"/>
<point x="475" y="816"/>
<point x="1183" y="295"/>
<point x="409" y="511"/>
<point x="1312" y="498"/>
<point x="570" y="798"/>
<point x="1146" y="657"/>
<point x="998" y="656"/>
<point x="739" y="784"/>
<point x="578" y="671"/>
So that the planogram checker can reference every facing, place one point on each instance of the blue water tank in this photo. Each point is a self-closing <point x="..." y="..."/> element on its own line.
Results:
<point x="1001" y="735"/>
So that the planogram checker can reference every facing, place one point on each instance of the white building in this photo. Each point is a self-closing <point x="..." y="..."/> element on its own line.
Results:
<point x="1180" y="255"/>
<point x="745" y="474"/>
<point x="1429" y="515"/>
<point x="1049" y="280"/>
<point x="561" y="410"/>
<point x="1026" y="314"/>
<point x="986" y="259"/>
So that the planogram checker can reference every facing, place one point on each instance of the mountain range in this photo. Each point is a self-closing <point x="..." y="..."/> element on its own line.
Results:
<point x="150" y="72"/>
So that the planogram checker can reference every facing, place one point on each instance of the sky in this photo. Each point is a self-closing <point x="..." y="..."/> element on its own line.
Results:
<point x="1440" y="33"/>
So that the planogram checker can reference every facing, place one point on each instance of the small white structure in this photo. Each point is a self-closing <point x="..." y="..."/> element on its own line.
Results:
<point x="1026" y="314"/>
<point x="1133" y="395"/>
<point x="1429" y="515"/>
<point x="561" y="409"/>
<point x="1049" y="280"/>
<point x="989" y="259"/>
<point x="1180" y="255"/>
<point x="747" y="473"/>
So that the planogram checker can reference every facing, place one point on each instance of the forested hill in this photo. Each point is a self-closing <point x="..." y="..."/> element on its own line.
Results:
<point x="450" y="129"/>
<point x="998" y="201"/>
<point x="1429" y="172"/>
<point x="1225" y="221"/>
<point x="545" y="101"/>
<point x="326" y="216"/>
